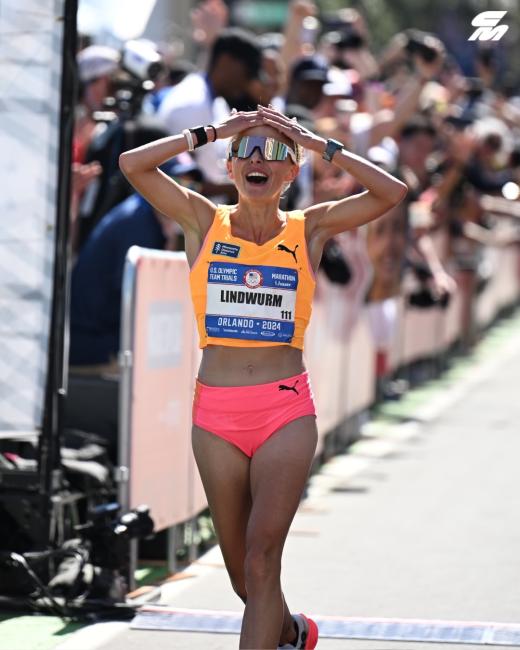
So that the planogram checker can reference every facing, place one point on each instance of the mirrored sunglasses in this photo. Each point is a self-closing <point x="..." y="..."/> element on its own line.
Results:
<point x="270" y="148"/>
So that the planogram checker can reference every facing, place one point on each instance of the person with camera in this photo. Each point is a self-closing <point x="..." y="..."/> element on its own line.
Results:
<point x="97" y="65"/>
<point x="411" y="60"/>
<point x="252" y="279"/>
<point x="119" y="123"/>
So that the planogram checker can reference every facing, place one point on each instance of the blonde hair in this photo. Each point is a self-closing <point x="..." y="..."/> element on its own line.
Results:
<point x="300" y="153"/>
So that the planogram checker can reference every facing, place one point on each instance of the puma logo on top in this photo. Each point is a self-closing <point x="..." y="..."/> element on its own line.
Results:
<point x="281" y="247"/>
<point x="293" y="388"/>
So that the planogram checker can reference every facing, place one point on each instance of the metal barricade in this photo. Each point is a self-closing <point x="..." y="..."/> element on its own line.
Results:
<point x="159" y="357"/>
<point x="156" y="464"/>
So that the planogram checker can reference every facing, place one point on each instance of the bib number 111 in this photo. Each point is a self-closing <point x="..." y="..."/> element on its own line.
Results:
<point x="286" y="315"/>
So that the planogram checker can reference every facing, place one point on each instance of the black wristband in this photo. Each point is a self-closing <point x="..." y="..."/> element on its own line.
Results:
<point x="210" y="126"/>
<point x="200" y="133"/>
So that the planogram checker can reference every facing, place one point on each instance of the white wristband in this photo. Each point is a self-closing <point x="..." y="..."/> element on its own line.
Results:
<point x="189" y="139"/>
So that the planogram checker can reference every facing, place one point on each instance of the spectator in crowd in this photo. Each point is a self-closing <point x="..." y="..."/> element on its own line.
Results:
<point x="97" y="65"/>
<point x="386" y="246"/>
<point x="82" y="176"/>
<point x="235" y="61"/>
<point x="174" y="73"/>
<point x="110" y="187"/>
<point x="417" y="142"/>
<point x="483" y="170"/>
<point x="298" y="39"/>
<point x="97" y="275"/>
<point x="307" y="78"/>
<point x="267" y="88"/>
<point x="208" y="19"/>
<point x="95" y="308"/>
<point x="378" y="114"/>
<point x="328" y="92"/>
<point x="408" y="108"/>
<point x="121" y="124"/>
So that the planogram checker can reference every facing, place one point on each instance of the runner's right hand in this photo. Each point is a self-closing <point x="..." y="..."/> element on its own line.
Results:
<point x="237" y="122"/>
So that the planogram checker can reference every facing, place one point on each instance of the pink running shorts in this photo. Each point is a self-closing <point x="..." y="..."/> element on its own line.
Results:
<point x="247" y="416"/>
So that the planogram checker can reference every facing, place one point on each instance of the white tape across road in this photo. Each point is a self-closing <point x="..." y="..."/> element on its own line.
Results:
<point x="337" y="627"/>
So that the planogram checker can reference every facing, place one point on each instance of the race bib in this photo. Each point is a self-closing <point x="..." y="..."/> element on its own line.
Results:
<point x="251" y="302"/>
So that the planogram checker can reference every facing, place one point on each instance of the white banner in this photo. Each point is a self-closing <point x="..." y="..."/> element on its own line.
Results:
<point x="30" y="81"/>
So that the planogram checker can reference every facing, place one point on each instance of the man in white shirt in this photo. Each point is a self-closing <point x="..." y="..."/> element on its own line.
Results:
<point x="206" y="98"/>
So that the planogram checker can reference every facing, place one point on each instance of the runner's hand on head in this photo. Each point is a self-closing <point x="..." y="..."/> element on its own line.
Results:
<point x="238" y="121"/>
<point x="291" y="129"/>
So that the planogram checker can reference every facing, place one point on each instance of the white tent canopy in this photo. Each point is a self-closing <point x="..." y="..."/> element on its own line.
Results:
<point x="117" y="20"/>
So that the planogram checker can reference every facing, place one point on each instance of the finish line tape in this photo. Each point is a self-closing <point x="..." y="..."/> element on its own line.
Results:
<point x="337" y="627"/>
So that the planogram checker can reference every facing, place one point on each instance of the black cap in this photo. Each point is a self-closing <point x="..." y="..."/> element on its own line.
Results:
<point x="182" y="165"/>
<point x="311" y="68"/>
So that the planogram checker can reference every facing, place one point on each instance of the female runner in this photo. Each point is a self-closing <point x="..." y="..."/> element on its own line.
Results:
<point x="252" y="281"/>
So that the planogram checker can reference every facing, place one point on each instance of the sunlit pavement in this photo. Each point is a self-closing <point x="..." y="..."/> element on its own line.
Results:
<point x="419" y="521"/>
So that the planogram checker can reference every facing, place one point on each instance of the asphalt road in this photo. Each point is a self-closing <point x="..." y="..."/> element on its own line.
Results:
<point x="423" y="523"/>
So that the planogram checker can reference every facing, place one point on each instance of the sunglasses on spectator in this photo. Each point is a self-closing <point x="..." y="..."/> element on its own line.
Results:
<point x="270" y="148"/>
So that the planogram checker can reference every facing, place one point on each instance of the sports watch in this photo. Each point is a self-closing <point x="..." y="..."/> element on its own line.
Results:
<point x="331" y="148"/>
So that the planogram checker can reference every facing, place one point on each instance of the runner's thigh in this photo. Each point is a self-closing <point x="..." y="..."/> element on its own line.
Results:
<point x="224" y="471"/>
<point x="279" y="471"/>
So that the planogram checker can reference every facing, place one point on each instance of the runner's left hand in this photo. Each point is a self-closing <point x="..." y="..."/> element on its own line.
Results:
<point x="291" y="129"/>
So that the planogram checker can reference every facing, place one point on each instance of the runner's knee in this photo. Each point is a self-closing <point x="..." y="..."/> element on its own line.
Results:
<point x="263" y="562"/>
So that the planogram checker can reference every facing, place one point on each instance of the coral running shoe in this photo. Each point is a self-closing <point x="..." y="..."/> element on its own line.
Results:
<point x="308" y="637"/>
<point x="307" y="634"/>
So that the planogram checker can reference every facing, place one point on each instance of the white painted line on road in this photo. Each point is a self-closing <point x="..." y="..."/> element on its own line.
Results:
<point x="338" y="471"/>
<point x="337" y="627"/>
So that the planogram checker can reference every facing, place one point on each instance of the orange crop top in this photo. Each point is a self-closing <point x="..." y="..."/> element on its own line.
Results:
<point x="246" y="295"/>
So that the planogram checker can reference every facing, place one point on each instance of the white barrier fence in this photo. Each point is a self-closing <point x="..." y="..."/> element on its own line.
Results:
<point x="160" y="356"/>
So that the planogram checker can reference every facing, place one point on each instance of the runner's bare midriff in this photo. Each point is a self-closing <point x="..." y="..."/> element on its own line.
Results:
<point x="228" y="366"/>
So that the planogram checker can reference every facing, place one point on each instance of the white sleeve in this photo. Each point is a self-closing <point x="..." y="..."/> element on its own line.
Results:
<point x="211" y="159"/>
<point x="182" y="117"/>
<point x="177" y="116"/>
